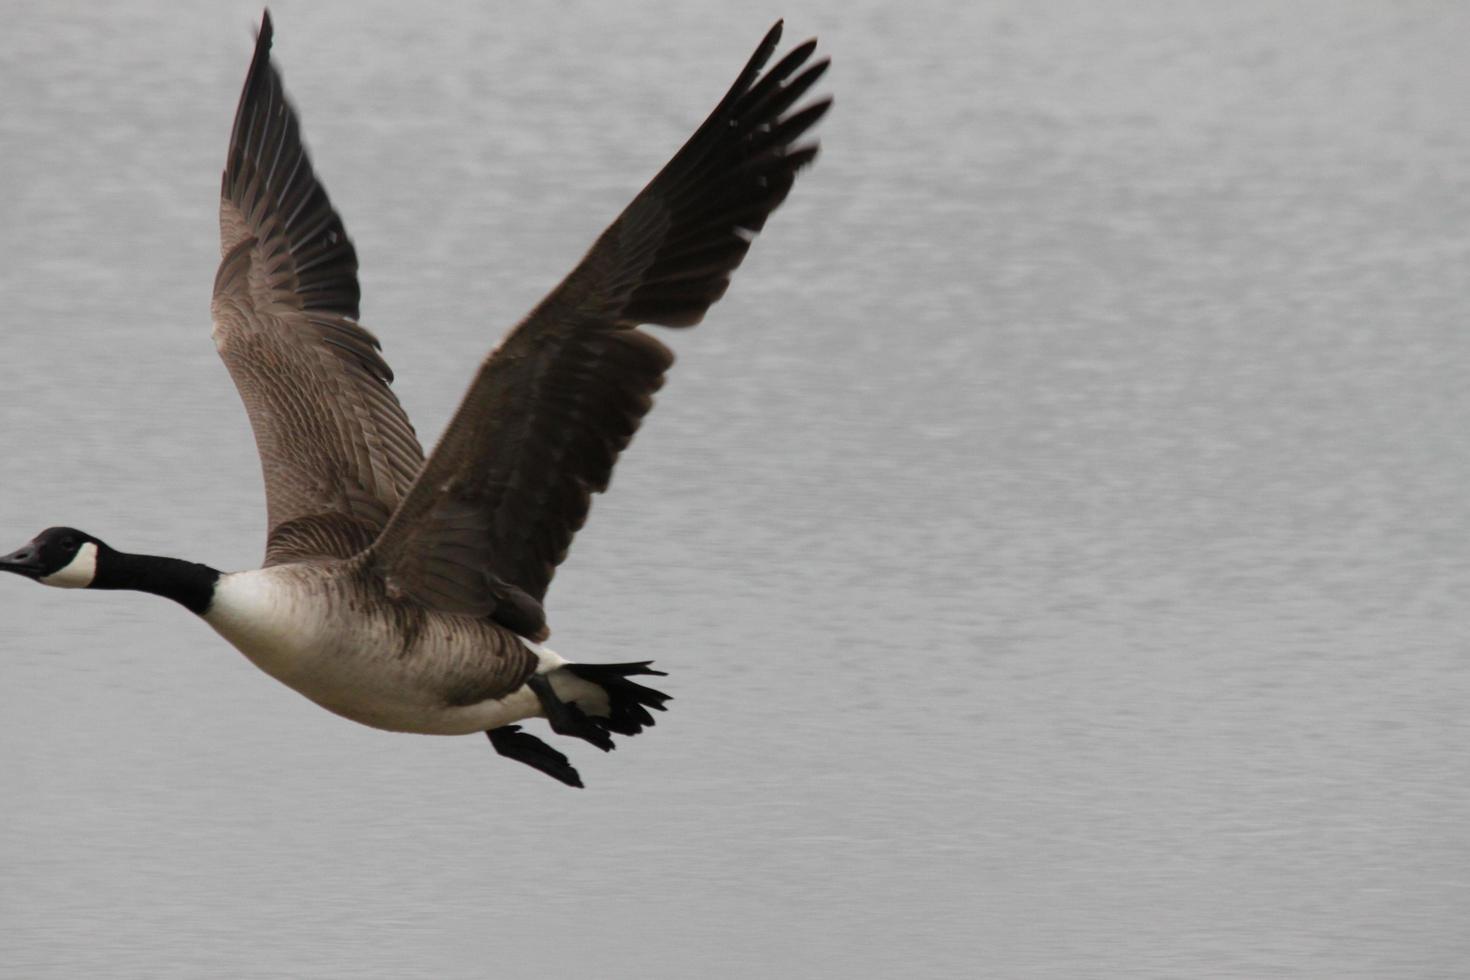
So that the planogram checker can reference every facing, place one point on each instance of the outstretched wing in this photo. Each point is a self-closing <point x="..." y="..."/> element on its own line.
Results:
<point x="510" y="482"/>
<point x="337" y="451"/>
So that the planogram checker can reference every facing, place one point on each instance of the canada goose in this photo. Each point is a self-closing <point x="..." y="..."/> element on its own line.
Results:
<point x="406" y="593"/>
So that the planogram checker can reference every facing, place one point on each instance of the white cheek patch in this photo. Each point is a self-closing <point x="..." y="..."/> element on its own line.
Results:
<point x="78" y="573"/>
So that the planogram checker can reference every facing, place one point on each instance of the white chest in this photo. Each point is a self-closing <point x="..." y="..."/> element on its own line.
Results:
<point x="271" y="620"/>
<point x="313" y="634"/>
<point x="310" y="633"/>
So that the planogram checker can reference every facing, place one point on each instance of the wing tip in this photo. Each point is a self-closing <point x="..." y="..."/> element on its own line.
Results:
<point x="256" y="76"/>
<point x="264" y="35"/>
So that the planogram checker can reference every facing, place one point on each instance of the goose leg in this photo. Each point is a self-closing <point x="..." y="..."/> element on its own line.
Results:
<point x="521" y="746"/>
<point x="566" y="718"/>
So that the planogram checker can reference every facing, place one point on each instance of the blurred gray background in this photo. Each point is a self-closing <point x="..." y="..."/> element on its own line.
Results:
<point x="1056" y="538"/>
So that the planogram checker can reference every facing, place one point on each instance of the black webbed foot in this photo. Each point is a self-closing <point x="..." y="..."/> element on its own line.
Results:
<point x="568" y="719"/>
<point x="521" y="746"/>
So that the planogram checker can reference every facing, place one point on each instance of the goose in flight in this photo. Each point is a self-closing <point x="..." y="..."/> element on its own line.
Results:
<point x="406" y="593"/>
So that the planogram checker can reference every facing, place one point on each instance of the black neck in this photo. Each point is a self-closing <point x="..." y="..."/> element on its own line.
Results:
<point x="189" y="584"/>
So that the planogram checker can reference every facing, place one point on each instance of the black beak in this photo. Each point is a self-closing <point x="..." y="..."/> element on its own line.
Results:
<point x="26" y="561"/>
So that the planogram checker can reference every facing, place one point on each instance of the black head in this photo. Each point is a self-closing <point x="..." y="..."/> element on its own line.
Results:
<point x="60" y="556"/>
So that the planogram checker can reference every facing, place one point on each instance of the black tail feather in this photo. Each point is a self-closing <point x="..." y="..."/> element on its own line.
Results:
<point x="628" y="701"/>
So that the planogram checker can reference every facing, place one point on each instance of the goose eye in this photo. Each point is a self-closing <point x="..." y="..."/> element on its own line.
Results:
<point x="68" y="542"/>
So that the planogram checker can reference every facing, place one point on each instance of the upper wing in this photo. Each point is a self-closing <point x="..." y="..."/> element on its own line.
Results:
<point x="337" y="450"/>
<point x="494" y="510"/>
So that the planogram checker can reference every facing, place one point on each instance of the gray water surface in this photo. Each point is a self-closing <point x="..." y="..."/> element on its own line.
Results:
<point x="1056" y="539"/>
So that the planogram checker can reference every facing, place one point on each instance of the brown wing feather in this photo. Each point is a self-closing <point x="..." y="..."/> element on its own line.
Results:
<point x="492" y="515"/>
<point x="336" y="448"/>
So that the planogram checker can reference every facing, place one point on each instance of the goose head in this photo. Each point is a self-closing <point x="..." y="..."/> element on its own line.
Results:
<point x="59" y="556"/>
